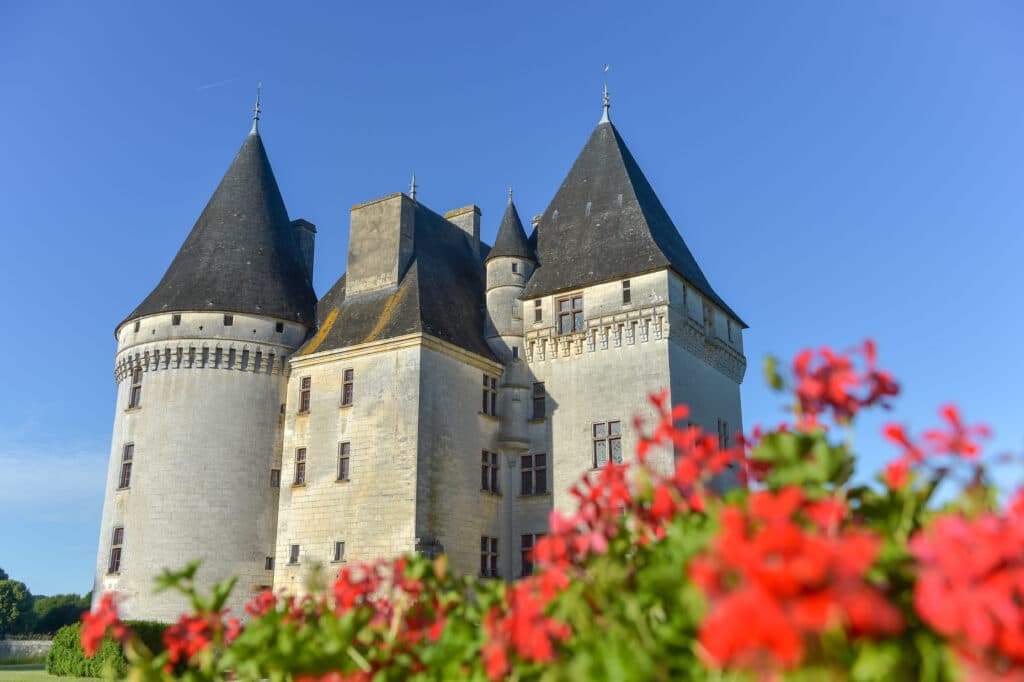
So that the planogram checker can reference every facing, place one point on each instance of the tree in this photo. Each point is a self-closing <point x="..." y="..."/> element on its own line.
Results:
<point x="3" y="575"/>
<point x="15" y="607"/>
<point x="52" y="613"/>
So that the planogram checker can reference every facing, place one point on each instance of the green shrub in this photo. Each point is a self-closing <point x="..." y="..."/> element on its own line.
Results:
<point x="66" y="658"/>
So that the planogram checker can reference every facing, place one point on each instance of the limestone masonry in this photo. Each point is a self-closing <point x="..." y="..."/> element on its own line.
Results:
<point x="442" y="396"/>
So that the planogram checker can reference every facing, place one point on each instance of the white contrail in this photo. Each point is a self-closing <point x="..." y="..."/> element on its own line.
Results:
<point x="215" y="85"/>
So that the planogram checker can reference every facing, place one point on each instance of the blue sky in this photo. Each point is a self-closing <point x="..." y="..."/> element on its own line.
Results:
<point x="840" y="170"/>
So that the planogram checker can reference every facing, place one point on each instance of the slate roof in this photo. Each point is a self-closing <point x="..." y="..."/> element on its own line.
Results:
<point x="241" y="256"/>
<point x="511" y="239"/>
<point x="441" y="294"/>
<point x="606" y="223"/>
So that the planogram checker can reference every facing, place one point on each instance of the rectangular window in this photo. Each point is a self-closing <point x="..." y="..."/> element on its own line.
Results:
<point x="515" y="267"/>
<point x="229" y="320"/>
<point x="305" y="387"/>
<point x="723" y="434"/>
<point x="126" y="465"/>
<point x="538" y="311"/>
<point x="607" y="443"/>
<point x="135" y="393"/>
<point x="115" y="550"/>
<point x="339" y="551"/>
<point x="344" y="450"/>
<point x="136" y="329"/>
<point x="293" y="554"/>
<point x="488" y="557"/>
<point x="533" y="474"/>
<point x="570" y="315"/>
<point x="175" y="320"/>
<point x="489" y="471"/>
<point x="515" y="352"/>
<point x="526" y="544"/>
<point x="279" y="327"/>
<point x="490" y="396"/>
<point x="539" y="406"/>
<point x="300" y="466"/>
<point x="626" y="294"/>
<point x="275" y="478"/>
<point x="268" y="563"/>
<point x="347" y="386"/>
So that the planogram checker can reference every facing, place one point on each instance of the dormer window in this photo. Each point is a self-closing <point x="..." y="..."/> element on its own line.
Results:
<point x="570" y="314"/>
<point x="627" y="296"/>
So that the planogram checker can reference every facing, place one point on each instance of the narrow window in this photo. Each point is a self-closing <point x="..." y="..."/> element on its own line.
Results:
<point x="348" y="382"/>
<point x="538" y="312"/>
<point x="115" y="550"/>
<point x="488" y="557"/>
<point x="126" y="465"/>
<point x="275" y="478"/>
<point x="515" y="352"/>
<point x="728" y="326"/>
<point x="626" y="295"/>
<point x="268" y="563"/>
<point x="489" y="471"/>
<point x="526" y="544"/>
<point x="136" y="329"/>
<point x="607" y="437"/>
<point x="490" y="396"/>
<point x="344" y="450"/>
<point x="570" y="315"/>
<point x="229" y="320"/>
<point x="300" y="466"/>
<point x="279" y="327"/>
<point x="135" y="394"/>
<point x="515" y="267"/>
<point x="723" y="434"/>
<point x="339" y="551"/>
<point x="305" y="385"/>
<point x="539" y="407"/>
<point x="293" y="554"/>
<point x="533" y="476"/>
<point x="175" y="319"/>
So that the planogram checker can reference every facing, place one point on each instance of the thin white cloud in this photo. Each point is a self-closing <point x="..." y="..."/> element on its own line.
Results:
<point x="215" y="85"/>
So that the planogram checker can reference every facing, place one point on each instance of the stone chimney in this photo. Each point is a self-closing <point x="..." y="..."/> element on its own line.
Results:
<point x="380" y="244"/>
<point x="467" y="219"/>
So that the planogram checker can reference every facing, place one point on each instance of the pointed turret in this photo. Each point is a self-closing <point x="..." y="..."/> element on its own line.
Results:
<point x="606" y="223"/>
<point x="242" y="255"/>
<point x="511" y="239"/>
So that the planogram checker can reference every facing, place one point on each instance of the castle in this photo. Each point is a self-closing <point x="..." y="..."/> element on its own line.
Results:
<point x="442" y="396"/>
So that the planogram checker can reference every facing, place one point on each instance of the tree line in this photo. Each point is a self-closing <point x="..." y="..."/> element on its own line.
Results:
<point x="23" y="613"/>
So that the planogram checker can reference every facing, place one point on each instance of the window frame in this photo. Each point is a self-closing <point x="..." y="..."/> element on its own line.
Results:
<point x="527" y="543"/>
<point x="275" y="478"/>
<point x="294" y="555"/>
<point x="135" y="389"/>
<point x="344" y="460"/>
<point x="627" y="293"/>
<point x="229" y="320"/>
<point x="574" y="313"/>
<point x="489" y="557"/>
<point x="127" y="457"/>
<point x="489" y="404"/>
<point x="538" y="311"/>
<point x="339" y="552"/>
<point x="348" y="386"/>
<point x="305" y="394"/>
<point x="723" y="434"/>
<point x="533" y="474"/>
<point x="515" y="268"/>
<point x="490" y="472"/>
<point x="300" y="466"/>
<point x="606" y="440"/>
<point x="268" y="563"/>
<point x="176" y="320"/>
<point x="116" y="551"/>
<point x="539" y="400"/>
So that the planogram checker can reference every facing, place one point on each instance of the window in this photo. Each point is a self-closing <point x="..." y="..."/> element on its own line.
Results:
<point x="339" y="551"/>
<point x="348" y="381"/>
<point x="293" y="554"/>
<point x="344" y="449"/>
<point x="723" y="434"/>
<point x="607" y="441"/>
<point x="570" y="315"/>
<point x="538" y="311"/>
<point x="515" y="267"/>
<point x="489" y="471"/>
<point x="533" y="474"/>
<point x="136" y="328"/>
<point x="305" y="386"/>
<point x="515" y="352"/>
<point x="539" y="406"/>
<point x="115" y="550"/>
<point x="488" y="557"/>
<point x="268" y="563"/>
<point x="490" y="395"/>
<point x="279" y="327"/>
<point x="126" y="465"/>
<point x="229" y="320"/>
<point x="275" y="478"/>
<point x="626" y="294"/>
<point x="728" y="326"/>
<point x="175" y="319"/>
<point x="300" y="466"/>
<point x="526" y="544"/>
<point x="135" y="393"/>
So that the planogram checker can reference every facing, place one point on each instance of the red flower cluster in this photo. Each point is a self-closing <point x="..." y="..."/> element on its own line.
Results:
<point x="195" y="633"/>
<point x="970" y="587"/>
<point x="831" y="382"/>
<point x="522" y="628"/>
<point x="956" y="439"/>
<point x="97" y="623"/>
<point x="786" y="571"/>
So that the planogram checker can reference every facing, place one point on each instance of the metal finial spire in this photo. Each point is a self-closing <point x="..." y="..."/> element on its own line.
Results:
<point x="607" y="101"/>
<point x="412" y="188"/>
<point x="510" y="194"/>
<point x="256" y="110"/>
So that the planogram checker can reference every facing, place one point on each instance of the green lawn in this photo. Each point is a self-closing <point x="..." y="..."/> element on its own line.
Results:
<point x="34" y="673"/>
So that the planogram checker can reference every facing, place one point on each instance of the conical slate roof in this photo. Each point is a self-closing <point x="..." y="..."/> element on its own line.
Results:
<point x="511" y="239"/>
<point x="606" y="223"/>
<point x="241" y="256"/>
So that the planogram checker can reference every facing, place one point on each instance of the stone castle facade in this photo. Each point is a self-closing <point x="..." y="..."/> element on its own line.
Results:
<point x="442" y="396"/>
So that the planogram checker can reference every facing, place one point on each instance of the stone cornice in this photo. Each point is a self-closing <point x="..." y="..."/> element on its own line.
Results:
<point x="418" y="339"/>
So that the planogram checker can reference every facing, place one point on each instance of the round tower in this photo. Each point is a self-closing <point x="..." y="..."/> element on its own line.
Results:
<point x="510" y="264"/>
<point x="200" y="371"/>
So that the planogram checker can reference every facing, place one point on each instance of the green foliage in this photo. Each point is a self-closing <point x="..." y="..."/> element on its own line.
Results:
<point x="3" y="575"/>
<point x="53" y="613"/>
<point x="66" y="658"/>
<point x="15" y="607"/>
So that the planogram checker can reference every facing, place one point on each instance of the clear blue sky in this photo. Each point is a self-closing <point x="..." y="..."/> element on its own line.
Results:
<point x="840" y="170"/>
